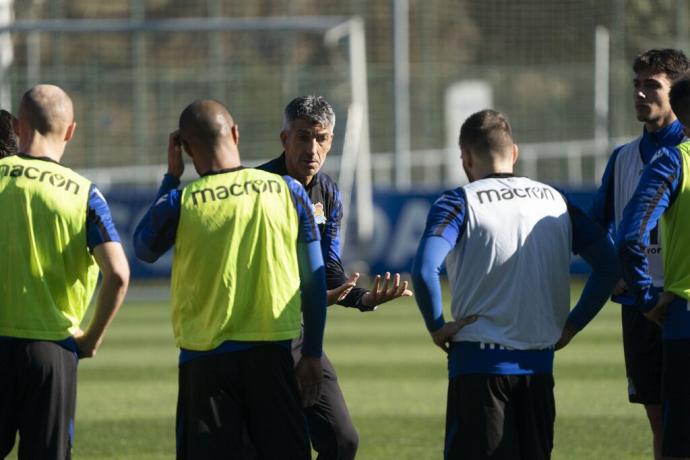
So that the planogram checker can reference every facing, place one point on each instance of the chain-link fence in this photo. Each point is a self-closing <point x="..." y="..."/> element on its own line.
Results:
<point x="537" y="56"/>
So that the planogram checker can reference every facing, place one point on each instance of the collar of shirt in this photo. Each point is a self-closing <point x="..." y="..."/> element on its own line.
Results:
<point x="31" y="157"/>
<point x="279" y="167"/>
<point x="669" y="136"/>
<point x="221" y="171"/>
<point x="498" y="175"/>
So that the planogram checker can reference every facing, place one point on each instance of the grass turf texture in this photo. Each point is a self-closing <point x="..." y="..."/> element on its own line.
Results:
<point x="393" y="378"/>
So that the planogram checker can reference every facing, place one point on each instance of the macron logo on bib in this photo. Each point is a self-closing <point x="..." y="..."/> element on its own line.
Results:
<point x="509" y="193"/>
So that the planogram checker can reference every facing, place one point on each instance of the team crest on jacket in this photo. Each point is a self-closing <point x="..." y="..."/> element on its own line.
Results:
<point x="319" y="216"/>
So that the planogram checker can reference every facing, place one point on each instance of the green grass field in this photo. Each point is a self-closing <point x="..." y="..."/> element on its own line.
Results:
<point x="393" y="378"/>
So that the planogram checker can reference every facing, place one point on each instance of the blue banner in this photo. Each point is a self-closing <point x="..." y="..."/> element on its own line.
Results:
<point x="399" y="220"/>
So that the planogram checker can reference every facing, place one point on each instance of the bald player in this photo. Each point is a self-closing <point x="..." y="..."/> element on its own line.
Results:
<point x="246" y="245"/>
<point x="58" y="233"/>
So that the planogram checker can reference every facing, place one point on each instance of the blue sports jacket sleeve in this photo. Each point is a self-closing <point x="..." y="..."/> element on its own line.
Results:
<point x="595" y="246"/>
<point x="311" y="270"/>
<point x="444" y="227"/>
<point x="99" y="222"/>
<point x="156" y="231"/>
<point x="313" y="287"/>
<point x="426" y="269"/>
<point x="655" y="193"/>
<point x="335" y="273"/>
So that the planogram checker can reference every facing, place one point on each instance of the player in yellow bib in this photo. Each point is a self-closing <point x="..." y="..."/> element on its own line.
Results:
<point x="56" y="232"/>
<point x="247" y="265"/>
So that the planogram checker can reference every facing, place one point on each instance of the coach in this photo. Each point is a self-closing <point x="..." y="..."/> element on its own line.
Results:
<point x="307" y="135"/>
<point x="56" y="232"/>
<point x="245" y="244"/>
<point x="507" y="242"/>
<point x="663" y="194"/>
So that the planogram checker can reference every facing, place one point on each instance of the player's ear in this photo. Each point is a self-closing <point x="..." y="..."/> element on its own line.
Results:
<point x="235" y="133"/>
<point x="283" y="138"/>
<point x="69" y="132"/>
<point x="515" y="153"/>
<point x="466" y="157"/>
<point x="185" y="148"/>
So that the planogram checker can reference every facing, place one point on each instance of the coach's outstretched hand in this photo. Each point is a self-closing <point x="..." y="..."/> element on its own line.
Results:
<point x="339" y="293"/>
<point x="442" y="336"/>
<point x="309" y="376"/>
<point x="382" y="293"/>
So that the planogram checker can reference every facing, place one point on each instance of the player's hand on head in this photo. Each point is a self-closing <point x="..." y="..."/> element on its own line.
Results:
<point x="309" y="373"/>
<point x="384" y="290"/>
<point x="658" y="313"/>
<point x="339" y="293"/>
<point x="175" y="161"/>
<point x="442" y="336"/>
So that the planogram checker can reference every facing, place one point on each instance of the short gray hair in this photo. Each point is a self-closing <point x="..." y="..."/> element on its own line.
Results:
<point x="313" y="108"/>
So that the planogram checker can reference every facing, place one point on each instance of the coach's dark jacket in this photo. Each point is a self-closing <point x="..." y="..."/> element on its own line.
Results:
<point x="328" y="211"/>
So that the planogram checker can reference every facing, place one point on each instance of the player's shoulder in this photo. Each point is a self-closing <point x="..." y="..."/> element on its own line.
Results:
<point x="451" y="198"/>
<point x="670" y="156"/>
<point x="293" y="184"/>
<point x="275" y="166"/>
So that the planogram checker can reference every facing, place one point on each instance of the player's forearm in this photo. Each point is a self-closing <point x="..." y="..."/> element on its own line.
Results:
<point x="601" y="256"/>
<point x="149" y="241"/>
<point x="313" y="290"/>
<point x="657" y="186"/>
<point x="634" y="268"/>
<point x="168" y="183"/>
<point x="425" y="279"/>
<point x="156" y="231"/>
<point x="110" y="297"/>
<point x="113" y="263"/>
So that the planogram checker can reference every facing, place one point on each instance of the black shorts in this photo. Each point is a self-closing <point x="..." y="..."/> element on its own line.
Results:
<point x="643" y="351"/>
<point x="222" y="395"/>
<point x="38" y="388"/>
<point x="676" y="394"/>
<point x="500" y="417"/>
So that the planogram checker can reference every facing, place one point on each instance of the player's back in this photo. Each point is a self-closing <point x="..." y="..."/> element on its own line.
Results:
<point x="511" y="266"/>
<point x="47" y="268"/>
<point x="235" y="273"/>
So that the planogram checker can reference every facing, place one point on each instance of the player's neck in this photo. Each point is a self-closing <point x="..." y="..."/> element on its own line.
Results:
<point x="38" y="146"/>
<point x="653" y="126"/>
<point x="217" y="160"/>
<point x="493" y="168"/>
